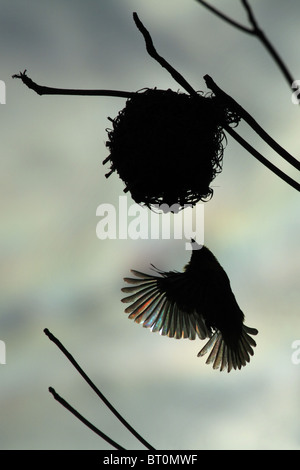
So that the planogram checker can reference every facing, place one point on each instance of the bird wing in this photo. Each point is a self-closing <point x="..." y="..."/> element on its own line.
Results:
<point x="154" y="305"/>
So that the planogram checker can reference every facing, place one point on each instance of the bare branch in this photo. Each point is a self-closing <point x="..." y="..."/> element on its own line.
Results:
<point x="226" y="100"/>
<point x="96" y="390"/>
<point x="251" y="121"/>
<point x="45" y="90"/>
<point x="255" y="31"/>
<point x="262" y="159"/>
<point x="226" y="18"/>
<point x="81" y="418"/>
<point x="265" y="41"/>
<point x="251" y="16"/>
<point x="153" y="53"/>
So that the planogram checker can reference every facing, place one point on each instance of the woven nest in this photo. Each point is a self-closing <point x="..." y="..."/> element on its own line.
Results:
<point x="167" y="147"/>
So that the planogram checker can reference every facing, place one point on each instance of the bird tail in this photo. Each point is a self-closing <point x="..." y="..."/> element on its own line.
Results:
<point x="224" y="356"/>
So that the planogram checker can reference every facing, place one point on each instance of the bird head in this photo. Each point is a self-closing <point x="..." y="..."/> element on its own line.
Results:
<point x="195" y="245"/>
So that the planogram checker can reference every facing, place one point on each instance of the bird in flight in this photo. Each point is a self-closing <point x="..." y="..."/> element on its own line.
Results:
<point x="197" y="302"/>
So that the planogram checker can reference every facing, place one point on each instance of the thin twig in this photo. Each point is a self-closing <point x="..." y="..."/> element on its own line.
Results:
<point x="232" y="104"/>
<point x="45" y="90"/>
<point x="254" y="31"/>
<point x="96" y="390"/>
<point x="226" y="18"/>
<point x="262" y="159"/>
<point x="153" y="53"/>
<point x="267" y="44"/>
<point x="64" y="403"/>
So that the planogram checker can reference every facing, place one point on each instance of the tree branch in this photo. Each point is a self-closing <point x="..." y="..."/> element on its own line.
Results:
<point x="232" y="104"/>
<point x="262" y="159"/>
<point x="96" y="390"/>
<point x="254" y="31"/>
<point x="45" y="90"/>
<point x="153" y="53"/>
<point x="267" y="44"/>
<point x="225" y="18"/>
<point x="229" y="102"/>
<point x="225" y="99"/>
<point x="81" y="418"/>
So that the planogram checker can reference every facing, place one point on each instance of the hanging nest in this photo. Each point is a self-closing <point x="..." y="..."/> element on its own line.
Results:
<point x="167" y="146"/>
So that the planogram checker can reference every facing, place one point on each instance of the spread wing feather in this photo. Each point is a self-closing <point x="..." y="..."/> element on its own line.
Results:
<point x="151" y="306"/>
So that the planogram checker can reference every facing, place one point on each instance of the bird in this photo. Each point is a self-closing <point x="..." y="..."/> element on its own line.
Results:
<point x="195" y="303"/>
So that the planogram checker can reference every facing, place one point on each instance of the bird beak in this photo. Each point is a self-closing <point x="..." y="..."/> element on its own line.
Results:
<point x="195" y="245"/>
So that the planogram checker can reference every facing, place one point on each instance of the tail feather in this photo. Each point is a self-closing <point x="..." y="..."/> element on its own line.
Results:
<point x="222" y="356"/>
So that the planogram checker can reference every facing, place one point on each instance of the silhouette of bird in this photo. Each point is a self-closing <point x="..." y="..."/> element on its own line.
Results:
<point x="196" y="302"/>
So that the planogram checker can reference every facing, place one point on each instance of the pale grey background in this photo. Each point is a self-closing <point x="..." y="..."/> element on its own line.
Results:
<point x="56" y="273"/>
